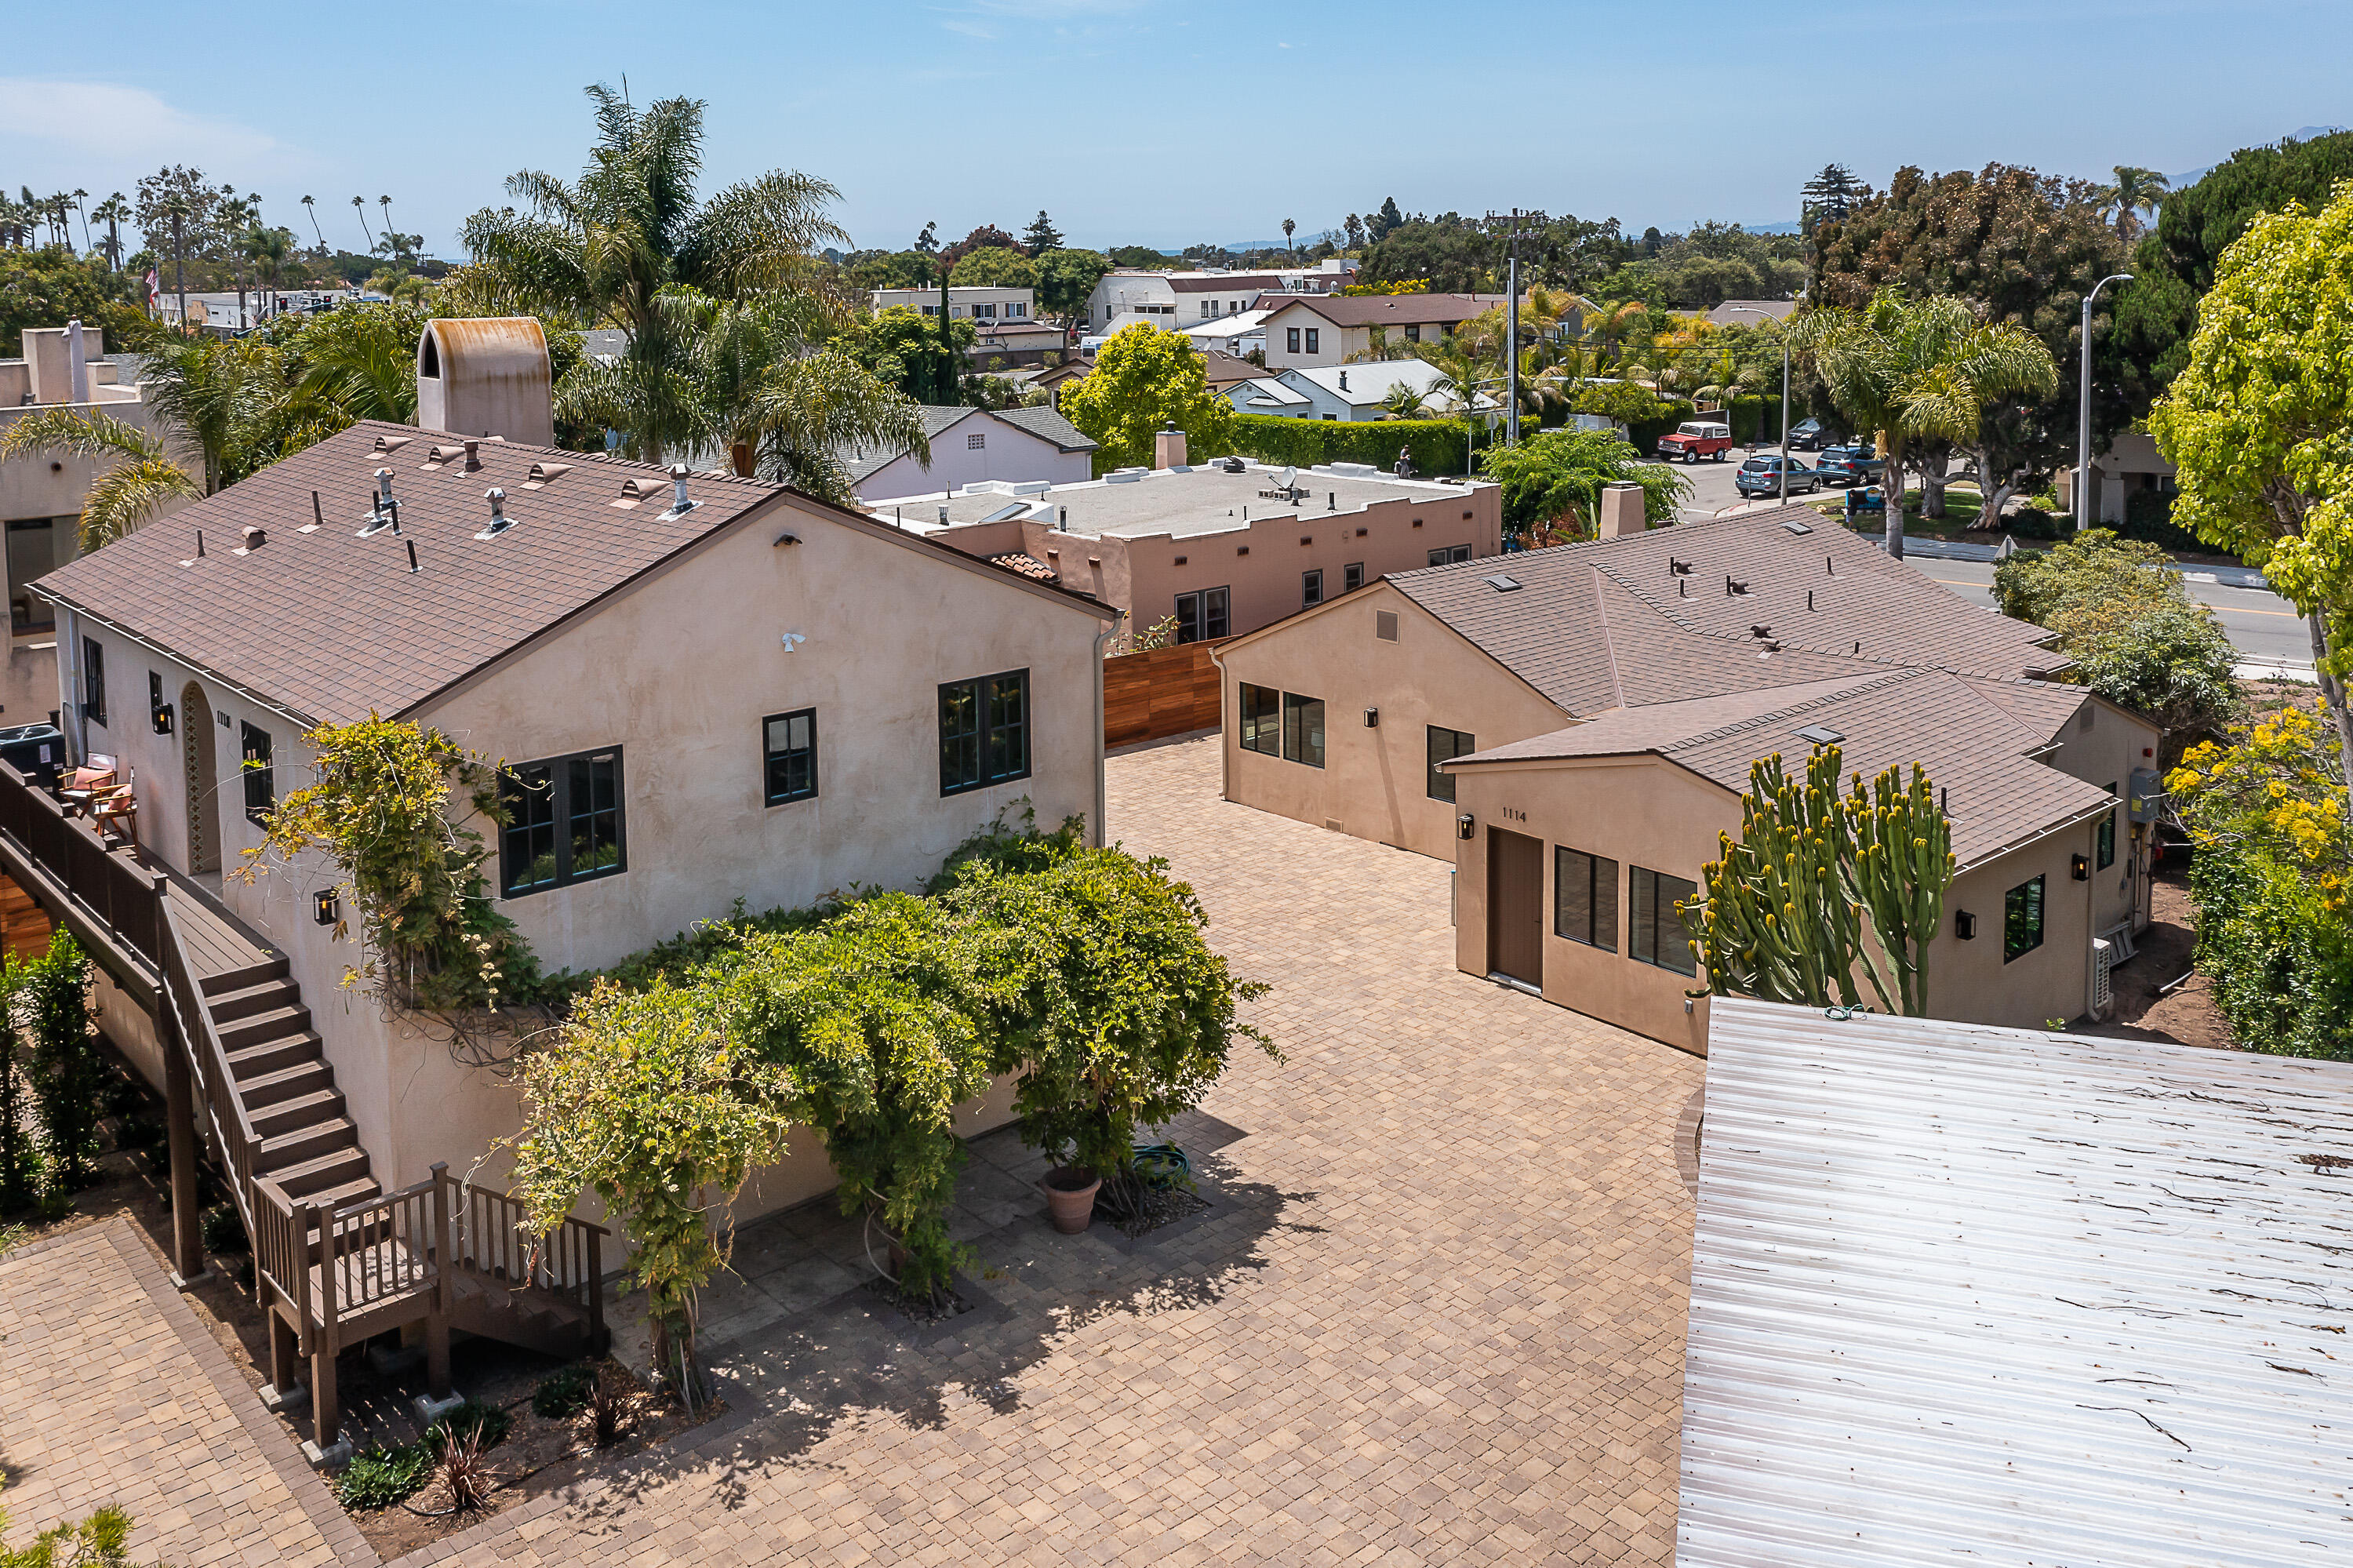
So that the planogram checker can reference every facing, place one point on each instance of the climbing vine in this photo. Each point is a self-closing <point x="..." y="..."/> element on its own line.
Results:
<point x="379" y="809"/>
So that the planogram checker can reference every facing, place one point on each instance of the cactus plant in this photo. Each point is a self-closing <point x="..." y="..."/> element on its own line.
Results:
<point x="1782" y="911"/>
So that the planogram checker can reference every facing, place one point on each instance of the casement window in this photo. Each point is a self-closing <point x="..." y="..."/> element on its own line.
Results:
<point x="2022" y="919"/>
<point x="1445" y="746"/>
<point x="1209" y="309"/>
<point x="1655" y="933"/>
<point x="93" y="681"/>
<point x="1302" y="729"/>
<point x="1262" y="719"/>
<point x="1448" y="554"/>
<point x="1311" y="588"/>
<point x="1413" y="335"/>
<point x="2108" y="837"/>
<point x="973" y="443"/>
<point x="788" y="756"/>
<point x="983" y="313"/>
<point x="984" y="731"/>
<point x="1290" y="340"/>
<point x="1016" y="308"/>
<point x="260" y="782"/>
<point x="564" y="822"/>
<point x="1585" y="898"/>
<point x="1315" y="340"/>
<point x="1201" y="615"/>
<point x="1352" y="576"/>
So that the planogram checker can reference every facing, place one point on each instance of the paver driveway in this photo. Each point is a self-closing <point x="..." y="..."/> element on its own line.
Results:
<point x="1436" y="1316"/>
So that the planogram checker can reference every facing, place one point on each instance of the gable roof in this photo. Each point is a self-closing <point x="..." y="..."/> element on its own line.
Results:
<point x="331" y="626"/>
<point x="1047" y="425"/>
<point x="1388" y="309"/>
<point x="1363" y="385"/>
<point x="864" y="463"/>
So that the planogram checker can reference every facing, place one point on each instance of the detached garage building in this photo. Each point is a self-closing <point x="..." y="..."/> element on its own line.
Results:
<point x="1574" y="727"/>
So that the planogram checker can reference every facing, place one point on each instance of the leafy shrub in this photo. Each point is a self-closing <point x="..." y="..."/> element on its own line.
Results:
<point x="224" y="1231"/>
<point x="2148" y="515"/>
<point x="485" y="1423"/>
<point x="563" y="1393"/>
<point x="101" y="1541"/>
<point x="383" y="1477"/>
<point x="2032" y="521"/>
<point x="1438" y="444"/>
<point x="53" y="991"/>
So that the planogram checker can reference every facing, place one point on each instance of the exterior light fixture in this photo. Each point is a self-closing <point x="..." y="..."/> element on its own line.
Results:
<point x="2079" y="867"/>
<point x="326" y="906"/>
<point x="1464" y="826"/>
<point x="1372" y="718"/>
<point x="1965" y="925"/>
<point x="161" y="717"/>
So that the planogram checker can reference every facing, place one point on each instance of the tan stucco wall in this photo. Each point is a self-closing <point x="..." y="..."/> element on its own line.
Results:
<point x="1374" y="782"/>
<point x="1647" y="811"/>
<point x="2104" y="753"/>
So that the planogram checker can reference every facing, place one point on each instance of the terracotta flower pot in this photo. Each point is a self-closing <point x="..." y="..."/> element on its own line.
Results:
<point x="1071" y="1197"/>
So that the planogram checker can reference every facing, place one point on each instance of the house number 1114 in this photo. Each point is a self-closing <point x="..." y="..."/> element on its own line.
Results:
<point x="1513" y="814"/>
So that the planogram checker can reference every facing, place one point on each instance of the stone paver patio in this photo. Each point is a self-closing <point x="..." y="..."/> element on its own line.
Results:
<point x="1435" y="1314"/>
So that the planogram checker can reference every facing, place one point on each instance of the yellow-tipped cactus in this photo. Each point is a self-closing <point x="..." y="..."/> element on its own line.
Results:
<point x="1780" y="913"/>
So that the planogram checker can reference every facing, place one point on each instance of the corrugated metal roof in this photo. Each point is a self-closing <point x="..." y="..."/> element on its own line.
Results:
<point x="1966" y="1294"/>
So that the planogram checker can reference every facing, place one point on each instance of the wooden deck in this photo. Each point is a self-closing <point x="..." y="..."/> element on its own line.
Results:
<point x="218" y="943"/>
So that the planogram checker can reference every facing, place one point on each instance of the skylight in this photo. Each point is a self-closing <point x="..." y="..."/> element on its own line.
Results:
<point x="1820" y="734"/>
<point x="1503" y="584"/>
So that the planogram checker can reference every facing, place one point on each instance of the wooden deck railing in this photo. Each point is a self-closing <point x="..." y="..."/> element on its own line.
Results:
<point x="491" y="1240"/>
<point x="384" y="1247"/>
<point x="113" y="890"/>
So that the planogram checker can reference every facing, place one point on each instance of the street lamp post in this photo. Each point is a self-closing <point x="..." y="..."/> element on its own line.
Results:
<point x="2083" y="408"/>
<point x="1749" y="310"/>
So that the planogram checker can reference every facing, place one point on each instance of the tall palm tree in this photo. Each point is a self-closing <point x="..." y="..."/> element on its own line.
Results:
<point x="217" y="395"/>
<point x="143" y="478"/>
<point x="2135" y="191"/>
<point x="80" y="196"/>
<point x="267" y="249"/>
<point x="1919" y="370"/>
<point x="113" y="212"/>
<point x="385" y="202"/>
<point x="312" y="207"/>
<point x="359" y="207"/>
<point x="609" y="247"/>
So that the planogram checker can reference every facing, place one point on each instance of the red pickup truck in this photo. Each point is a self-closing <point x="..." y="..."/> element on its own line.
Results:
<point x="1696" y="440"/>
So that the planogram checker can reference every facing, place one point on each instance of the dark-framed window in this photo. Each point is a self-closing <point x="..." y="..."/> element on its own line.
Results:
<point x="1290" y="340"/>
<point x="1448" y="555"/>
<point x="1302" y="729"/>
<point x="1315" y="340"/>
<point x="1352" y="576"/>
<point x="2022" y="919"/>
<point x="984" y="731"/>
<point x="1262" y="719"/>
<point x="1655" y="933"/>
<point x="788" y="756"/>
<point x="1413" y="334"/>
<point x="2108" y="837"/>
<point x="1202" y="615"/>
<point x="93" y="681"/>
<point x="260" y="782"/>
<point x="564" y="822"/>
<point x="1585" y="898"/>
<point x="1311" y="588"/>
<point x="1445" y="746"/>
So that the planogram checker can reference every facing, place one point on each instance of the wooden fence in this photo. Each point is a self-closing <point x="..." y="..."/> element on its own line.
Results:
<point x="1152" y="697"/>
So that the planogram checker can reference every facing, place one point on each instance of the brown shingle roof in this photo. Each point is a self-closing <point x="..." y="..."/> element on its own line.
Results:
<point x="331" y="626"/>
<point x="1393" y="310"/>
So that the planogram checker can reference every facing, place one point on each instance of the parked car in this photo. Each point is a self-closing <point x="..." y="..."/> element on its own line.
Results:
<point x="1849" y="465"/>
<point x="1762" y="476"/>
<point x="1695" y="440"/>
<point x="1809" y="435"/>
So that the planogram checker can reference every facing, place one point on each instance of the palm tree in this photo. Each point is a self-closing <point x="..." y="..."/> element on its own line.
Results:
<point x="2135" y="191"/>
<point x="78" y="197"/>
<point x="1288" y="226"/>
<point x="143" y="478"/>
<point x="113" y="212"/>
<point x="217" y="395"/>
<point x="1405" y="401"/>
<point x="312" y="207"/>
<point x="61" y="206"/>
<point x="385" y="202"/>
<point x="1919" y="370"/>
<point x="267" y="249"/>
<point x="609" y="248"/>
<point x="359" y="207"/>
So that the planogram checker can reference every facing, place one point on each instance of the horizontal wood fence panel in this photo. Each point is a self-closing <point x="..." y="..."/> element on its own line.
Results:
<point x="1157" y="694"/>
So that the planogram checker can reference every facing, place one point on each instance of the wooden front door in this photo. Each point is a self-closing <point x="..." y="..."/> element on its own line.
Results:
<point x="1516" y="906"/>
<point x="203" y="782"/>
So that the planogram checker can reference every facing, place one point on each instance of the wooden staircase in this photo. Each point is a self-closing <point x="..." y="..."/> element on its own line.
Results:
<point x="306" y="1145"/>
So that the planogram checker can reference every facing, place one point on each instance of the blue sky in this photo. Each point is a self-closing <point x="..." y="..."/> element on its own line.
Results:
<point x="1158" y="121"/>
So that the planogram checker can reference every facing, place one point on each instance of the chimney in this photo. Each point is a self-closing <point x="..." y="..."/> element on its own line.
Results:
<point x="473" y="456"/>
<point x="486" y="373"/>
<point x="1621" y="510"/>
<point x="77" y="362"/>
<point x="1168" y="450"/>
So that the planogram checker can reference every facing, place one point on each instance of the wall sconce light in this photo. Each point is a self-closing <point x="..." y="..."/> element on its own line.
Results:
<point x="1372" y="718"/>
<point x="163" y="718"/>
<point x="326" y="906"/>
<point x="1965" y="925"/>
<point x="1465" y="827"/>
<point x="2079" y="867"/>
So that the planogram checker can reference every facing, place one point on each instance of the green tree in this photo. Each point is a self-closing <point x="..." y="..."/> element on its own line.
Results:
<point x="2256" y="423"/>
<point x="1915" y="370"/>
<point x="1041" y="236"/>
<point x="139" y="478"/>
<point x="607" y="246"/>
<point x="1145" y="381"/>
<point x="49" y="287"/>
<point x="1066" y="280"/>
<point x="1556" y="479"/>
<point x="20" y="1162"/>
<point x="1830" y="195"/>
<point x="2136" y="191"/>
<point x="994" y="267"/>
<point x="901" y="346"/>
<point x="52" y="992"/>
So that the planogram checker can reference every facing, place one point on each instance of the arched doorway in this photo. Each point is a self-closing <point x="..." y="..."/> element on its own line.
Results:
<point x="204" y="783"/>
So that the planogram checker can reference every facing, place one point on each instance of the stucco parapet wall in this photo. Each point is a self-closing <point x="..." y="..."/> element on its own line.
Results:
<point x="1188" y="502"/>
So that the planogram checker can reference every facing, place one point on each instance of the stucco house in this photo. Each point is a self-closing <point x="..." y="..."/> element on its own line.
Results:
<point x="1179" y="298"/>
<point x="2132" y="465"/>
<point x="1574" y="727"/>
<point x="973" y="446"/>
<point x="1307" y="333"/>
<point x="698" y="689"/>
<point x="1217" y="548"/>
<point x="1349" y="391"/>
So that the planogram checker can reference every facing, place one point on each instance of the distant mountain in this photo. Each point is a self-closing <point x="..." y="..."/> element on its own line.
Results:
<point x="2183" y="182"/>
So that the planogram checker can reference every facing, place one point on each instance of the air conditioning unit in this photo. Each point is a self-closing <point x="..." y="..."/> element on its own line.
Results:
<point x="2103" y="963"/>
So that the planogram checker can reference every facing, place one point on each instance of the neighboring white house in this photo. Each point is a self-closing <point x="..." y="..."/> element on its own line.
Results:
<point x="974" y="304"/>
<point x="970" y="445"/>
<point x="2131" y="463"/>
<point x="1182" y="299"/>
<point x="1235" y="335"/>
<point x="1350" y="391"/>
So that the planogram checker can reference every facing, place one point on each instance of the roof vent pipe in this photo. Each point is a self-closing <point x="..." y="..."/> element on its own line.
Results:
<point x="473" y="456"/>
<point x="383" y="488"/>
<point x="944" y="516"/>
<point x="679" y="505"/>
<point x="411" y="555"/>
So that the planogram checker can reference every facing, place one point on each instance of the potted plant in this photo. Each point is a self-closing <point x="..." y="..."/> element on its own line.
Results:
<point x="1071" y="1197"/>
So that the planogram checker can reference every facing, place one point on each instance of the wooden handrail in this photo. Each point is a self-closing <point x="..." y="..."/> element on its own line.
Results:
<point x="233" y="1135"/>
<point x="115" y="890"/>
<point x="492" y="1238"/>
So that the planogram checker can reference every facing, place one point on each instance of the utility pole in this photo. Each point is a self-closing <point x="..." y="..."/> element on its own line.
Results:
<point x="180" y="260"/>
<point x="2083" y="497"/>
<point x="1511" y="330"/>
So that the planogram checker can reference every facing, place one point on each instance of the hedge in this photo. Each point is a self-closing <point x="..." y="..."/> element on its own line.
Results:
<point x="1438" y="444"/>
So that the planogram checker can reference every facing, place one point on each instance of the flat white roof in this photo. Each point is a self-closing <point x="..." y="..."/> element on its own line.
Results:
<point x="1992" y="1296"/>
<point x="1200" y="499"/>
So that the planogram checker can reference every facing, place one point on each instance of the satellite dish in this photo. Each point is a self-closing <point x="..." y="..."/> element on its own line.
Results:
<point x="1288" y="475"/>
